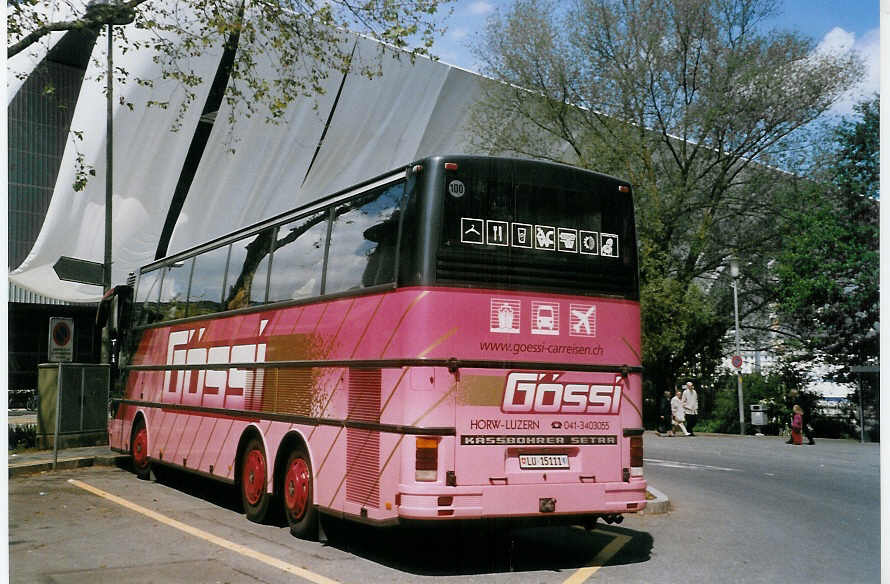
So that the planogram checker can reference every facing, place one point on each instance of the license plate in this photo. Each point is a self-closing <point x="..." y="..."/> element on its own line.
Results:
<point x="533" y="461"/>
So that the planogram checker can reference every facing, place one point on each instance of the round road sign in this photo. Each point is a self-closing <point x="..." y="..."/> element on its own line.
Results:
<point x="62" y="333"/>
<point x="737" y="361"/>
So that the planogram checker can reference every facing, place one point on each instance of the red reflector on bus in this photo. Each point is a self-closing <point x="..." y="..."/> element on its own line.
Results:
<point x="426" y="463"/>
<point x="636" y="451"/>
<point x="450" y="166"/>
<point x="623" y="189"/>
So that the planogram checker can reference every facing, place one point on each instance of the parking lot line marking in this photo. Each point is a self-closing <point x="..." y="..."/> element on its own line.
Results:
<point x="606" y="554"/>
<point x="200" y="533"/>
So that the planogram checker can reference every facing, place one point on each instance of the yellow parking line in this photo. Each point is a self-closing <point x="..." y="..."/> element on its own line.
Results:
<point x="199" y="533"/>
<point x="601" y="558"/>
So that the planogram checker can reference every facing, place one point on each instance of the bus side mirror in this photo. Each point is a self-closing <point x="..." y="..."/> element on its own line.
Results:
<point x="113" y="315"/>
<point x="114" y="310"/>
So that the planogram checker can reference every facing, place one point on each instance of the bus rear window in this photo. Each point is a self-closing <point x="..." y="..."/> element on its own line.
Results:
<point x="501" y="228"/>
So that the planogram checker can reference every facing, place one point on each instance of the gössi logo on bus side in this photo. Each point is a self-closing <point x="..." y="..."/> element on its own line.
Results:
<point x="544" y="393"/>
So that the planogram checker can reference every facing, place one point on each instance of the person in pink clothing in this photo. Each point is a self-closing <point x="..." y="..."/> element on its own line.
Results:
<point x="797" y="425"/>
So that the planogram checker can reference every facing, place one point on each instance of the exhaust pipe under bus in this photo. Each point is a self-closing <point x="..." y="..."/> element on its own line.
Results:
<point x="616" y="518"/>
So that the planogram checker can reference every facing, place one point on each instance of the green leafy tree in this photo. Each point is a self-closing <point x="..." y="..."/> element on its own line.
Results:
<point x="304" y="40"/>
<point x="827" y="273"/>
<point x="688" y="99"/>
<point x="828" y="267"/>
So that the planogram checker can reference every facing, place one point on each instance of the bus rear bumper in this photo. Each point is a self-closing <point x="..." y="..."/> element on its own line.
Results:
<point x="476" y="502"/>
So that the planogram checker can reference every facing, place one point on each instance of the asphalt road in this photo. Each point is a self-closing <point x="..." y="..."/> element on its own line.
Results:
<point x="758" y="510"/>
<point x="744" y="510"/>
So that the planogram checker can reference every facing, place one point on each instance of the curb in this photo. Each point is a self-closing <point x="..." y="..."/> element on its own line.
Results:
<point x="660" y="504"/>
<point x="26" y="468"/>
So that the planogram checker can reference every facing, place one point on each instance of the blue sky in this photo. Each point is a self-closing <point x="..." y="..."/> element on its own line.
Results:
<point x="836" y="24"/>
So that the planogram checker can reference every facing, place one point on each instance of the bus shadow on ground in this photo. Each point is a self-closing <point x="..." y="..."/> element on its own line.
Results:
<point x="475" y="548"/>
<point x="216" y="493"/>
<point x="219" y="494"/>
<point x="445" y="550"/>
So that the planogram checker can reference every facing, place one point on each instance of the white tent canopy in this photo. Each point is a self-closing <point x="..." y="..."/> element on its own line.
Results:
<point x="411" y="111"/>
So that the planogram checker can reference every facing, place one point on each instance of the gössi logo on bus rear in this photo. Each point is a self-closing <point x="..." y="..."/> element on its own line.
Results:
<point x="544" y="393"/>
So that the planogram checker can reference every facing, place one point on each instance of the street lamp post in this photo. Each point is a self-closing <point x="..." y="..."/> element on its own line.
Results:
<point x="109" y="160"/>
<point x="734" y="272"/>
<point x="110" y="12"/>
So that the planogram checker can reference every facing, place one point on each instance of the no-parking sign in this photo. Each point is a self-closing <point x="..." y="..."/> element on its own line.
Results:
<point x="61" y="339"/>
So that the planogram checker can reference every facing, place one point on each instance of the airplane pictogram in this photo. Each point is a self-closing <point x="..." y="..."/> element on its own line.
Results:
<point x="583" y="317"/>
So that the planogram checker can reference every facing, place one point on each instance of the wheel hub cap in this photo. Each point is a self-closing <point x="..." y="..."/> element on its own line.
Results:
<point x="140" y="444"/>
<point x="296" y="491"/>
<point x="253" y="477"/>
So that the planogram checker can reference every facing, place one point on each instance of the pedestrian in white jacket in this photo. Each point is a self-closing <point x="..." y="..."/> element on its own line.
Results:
<point x="690" y="406"/>
<point x="677" y="413"/>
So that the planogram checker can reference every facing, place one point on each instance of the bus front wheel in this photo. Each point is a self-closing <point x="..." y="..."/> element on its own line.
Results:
<point x="253" y="481"/>
<point x="296" y="493"/>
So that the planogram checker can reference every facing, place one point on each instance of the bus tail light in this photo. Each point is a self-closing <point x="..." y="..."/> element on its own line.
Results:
<point x="636" y="456"/>
<point x="426" y="467"/>
<point x="450" y="166"/>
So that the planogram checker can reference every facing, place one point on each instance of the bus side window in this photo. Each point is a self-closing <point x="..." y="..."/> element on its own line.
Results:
<point x="363" y="240"/>
<point x="205" y="293"/>
<point x="174" y="289"/>
<point x="248" y="270"/>
<point x="146" y="306"/>
<point x="298" y="259"/>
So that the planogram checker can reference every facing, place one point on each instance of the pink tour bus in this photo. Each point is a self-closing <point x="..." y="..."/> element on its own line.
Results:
<point x="455" y="340"/>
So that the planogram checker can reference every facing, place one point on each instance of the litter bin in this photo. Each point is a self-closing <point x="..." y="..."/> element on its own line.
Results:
<point x="758" y="415"/>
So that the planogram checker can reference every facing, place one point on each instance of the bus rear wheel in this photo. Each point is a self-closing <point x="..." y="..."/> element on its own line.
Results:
<point x="139" y="450"/>
<point x="297" y="495"/>
<point x="254" y="497"/>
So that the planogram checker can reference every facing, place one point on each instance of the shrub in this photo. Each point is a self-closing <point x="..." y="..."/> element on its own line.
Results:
<point x="22" y="436"/>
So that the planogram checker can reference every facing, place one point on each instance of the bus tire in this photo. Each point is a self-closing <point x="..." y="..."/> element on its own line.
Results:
<point x="253" y="471"/>
<point x="297" y="495"/>
<point x="139" y="450"/>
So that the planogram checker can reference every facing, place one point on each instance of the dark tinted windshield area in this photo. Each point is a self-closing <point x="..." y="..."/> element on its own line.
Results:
<point x="525" y="225"/>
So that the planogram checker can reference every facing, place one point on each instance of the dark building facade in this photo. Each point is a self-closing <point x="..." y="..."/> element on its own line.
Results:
<point x="39" y="126"/>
